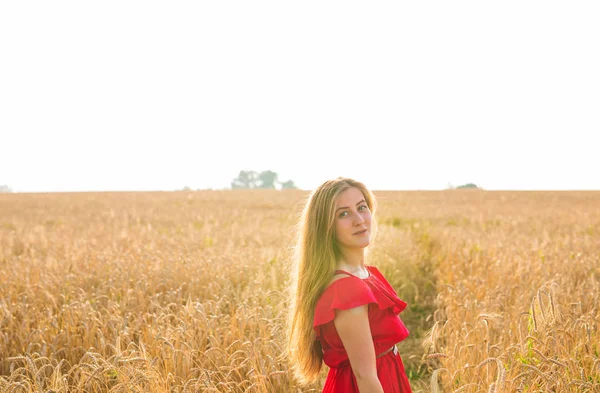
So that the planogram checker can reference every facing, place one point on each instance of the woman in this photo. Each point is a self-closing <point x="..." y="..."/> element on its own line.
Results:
<point x="343" y="312"/>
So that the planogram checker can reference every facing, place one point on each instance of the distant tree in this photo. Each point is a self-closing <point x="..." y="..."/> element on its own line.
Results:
<point x="468" y="185"/>
<point x="267" y="179"/>
<point x="246" y="179"/>
<point x="5" y="188"/>
<point x="288" y="185"/>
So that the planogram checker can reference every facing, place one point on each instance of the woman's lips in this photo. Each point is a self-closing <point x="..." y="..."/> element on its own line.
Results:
<point x="361" y="232"/>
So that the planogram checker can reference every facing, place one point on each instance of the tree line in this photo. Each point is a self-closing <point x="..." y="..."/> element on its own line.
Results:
<point x="265" y="179"/>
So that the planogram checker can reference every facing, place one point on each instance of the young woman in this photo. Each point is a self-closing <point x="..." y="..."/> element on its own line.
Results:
<point x="344" y="312"/>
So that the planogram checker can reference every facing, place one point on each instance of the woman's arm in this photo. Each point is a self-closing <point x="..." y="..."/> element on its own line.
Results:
<point x="353" y="328"/>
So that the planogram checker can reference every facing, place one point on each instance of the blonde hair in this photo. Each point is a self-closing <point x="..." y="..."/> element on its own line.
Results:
<point x="313" y="265"/>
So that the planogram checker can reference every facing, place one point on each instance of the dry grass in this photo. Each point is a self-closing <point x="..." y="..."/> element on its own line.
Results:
<point x="183" y="292"/>
<point x="518" y="279"/>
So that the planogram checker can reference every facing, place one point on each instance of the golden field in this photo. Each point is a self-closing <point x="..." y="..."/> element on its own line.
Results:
<point x="185" y="291"/>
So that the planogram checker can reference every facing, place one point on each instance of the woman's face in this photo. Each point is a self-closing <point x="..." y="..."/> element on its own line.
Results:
<point x="352" y="220"/>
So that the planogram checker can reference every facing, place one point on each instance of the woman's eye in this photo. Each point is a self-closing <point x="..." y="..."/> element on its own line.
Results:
<point x="360" y="208"/>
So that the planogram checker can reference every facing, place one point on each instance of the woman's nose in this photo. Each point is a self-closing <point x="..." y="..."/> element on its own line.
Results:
<point x="358" y="219"/>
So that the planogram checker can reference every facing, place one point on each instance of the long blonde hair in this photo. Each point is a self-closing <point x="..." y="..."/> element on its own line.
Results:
<point x="313" y="265"/>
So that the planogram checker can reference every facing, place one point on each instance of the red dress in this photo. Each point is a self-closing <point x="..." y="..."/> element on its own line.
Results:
<point x="387" y="329"/>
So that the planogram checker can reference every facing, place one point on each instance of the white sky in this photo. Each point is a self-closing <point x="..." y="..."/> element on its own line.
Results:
<point x="147" y="95"/>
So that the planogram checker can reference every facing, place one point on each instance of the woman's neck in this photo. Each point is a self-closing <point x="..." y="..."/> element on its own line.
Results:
<point x="352" y="260"/>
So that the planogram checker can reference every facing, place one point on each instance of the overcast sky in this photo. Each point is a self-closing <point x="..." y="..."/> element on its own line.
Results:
<point x="147" y="95"/>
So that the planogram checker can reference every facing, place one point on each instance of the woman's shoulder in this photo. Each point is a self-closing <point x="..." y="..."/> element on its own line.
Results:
<point x="339" y="276"/>
<point x="339" y="279"/>
<point x="348" y="281"/>
<point x="343" y="292"/>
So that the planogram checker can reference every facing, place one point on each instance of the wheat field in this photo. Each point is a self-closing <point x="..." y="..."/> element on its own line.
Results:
<point x="185" y="291"/>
